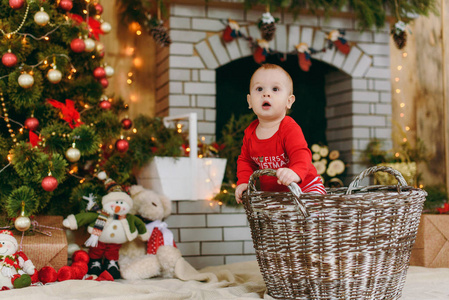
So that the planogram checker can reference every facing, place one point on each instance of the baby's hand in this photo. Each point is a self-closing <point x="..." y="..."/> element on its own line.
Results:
<point x="286" y="176"/>
<point x="239" y="192"/>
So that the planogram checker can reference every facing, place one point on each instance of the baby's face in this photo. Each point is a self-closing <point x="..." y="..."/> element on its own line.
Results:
<point x="270" y="94"/>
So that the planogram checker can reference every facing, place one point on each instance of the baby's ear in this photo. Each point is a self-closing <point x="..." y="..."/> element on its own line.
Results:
<point x="291" y="100"/>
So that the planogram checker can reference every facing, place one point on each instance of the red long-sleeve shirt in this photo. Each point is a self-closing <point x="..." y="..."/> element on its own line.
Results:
<point x="287" y="148"/>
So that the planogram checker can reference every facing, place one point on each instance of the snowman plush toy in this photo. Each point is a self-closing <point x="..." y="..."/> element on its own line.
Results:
<point x="15" y="267"/>
<point x="109" y="228"/>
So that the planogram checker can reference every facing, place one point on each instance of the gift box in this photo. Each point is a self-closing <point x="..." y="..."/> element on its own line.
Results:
<point x="431" y="248"/>
<point x="48" y="248"/>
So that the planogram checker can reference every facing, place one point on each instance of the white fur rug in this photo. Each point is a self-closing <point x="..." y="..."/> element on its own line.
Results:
<point x="236" y="281"/>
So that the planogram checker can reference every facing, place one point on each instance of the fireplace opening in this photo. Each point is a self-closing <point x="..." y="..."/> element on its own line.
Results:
<point x="232" y="83"/>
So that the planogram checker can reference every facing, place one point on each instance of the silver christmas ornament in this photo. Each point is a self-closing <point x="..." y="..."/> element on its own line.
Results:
<point x="100" y="47"/>
<point x="109" y="71"/>
<point x="54" y="76"/>
<point x="90" y="45"/>
<point x="41" y="18"/>
<point x="106" y="27"/>
<point x="26" y="80"/>
<point x="73" y="154"/>
<point x="22" y="223"/>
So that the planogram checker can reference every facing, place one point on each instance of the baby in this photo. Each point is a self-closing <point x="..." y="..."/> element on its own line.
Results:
<point x="274" y="140"/>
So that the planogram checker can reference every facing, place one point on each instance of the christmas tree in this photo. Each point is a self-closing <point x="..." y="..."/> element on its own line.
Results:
<point x="58" y="127"/>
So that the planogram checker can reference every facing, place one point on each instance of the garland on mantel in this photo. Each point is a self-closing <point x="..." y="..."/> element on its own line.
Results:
<point x="368" y="13"/>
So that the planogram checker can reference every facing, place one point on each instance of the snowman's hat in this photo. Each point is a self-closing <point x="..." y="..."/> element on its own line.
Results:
<point x="114" y="191"/>
<point x="6" y="235"/>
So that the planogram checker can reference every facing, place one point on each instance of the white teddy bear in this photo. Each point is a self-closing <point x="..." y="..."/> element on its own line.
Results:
<point x="157" y="257"/>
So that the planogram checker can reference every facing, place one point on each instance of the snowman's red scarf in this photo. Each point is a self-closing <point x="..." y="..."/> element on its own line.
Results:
<point x="100" y="222"/>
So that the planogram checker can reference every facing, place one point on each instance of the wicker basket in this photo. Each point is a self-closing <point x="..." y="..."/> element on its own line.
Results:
<point x="353" y="243"/>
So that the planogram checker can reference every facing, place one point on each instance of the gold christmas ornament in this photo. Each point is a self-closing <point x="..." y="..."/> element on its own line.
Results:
<point x="22" y="223"/>
<point x="73" y="154"/>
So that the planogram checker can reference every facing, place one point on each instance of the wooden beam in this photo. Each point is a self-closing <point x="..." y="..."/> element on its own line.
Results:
<point x="445" y="67"/>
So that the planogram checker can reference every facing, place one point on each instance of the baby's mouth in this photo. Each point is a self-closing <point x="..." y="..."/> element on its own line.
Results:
<point x="266" y="104"/>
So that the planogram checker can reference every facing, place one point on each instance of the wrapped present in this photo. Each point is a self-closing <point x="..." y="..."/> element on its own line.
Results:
<point x="431" y="247"/>
<point x="48" y="248"/>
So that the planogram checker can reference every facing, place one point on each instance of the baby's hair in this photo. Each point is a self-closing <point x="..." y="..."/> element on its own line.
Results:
<point x="274" y="67"/>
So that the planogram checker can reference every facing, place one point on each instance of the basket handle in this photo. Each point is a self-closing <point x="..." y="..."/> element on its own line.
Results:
<point x="355" y="183"/>
<point x="294" y="188"/>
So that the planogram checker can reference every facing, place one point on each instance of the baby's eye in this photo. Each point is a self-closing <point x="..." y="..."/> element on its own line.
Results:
<point x="275" y="89"/>
<point x="259" y="89"/>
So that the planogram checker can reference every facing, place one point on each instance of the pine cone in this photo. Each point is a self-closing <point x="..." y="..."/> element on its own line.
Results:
<point x="400" y="39"/>
<point x="268" y="30"/>
<point x="160" y="35"/>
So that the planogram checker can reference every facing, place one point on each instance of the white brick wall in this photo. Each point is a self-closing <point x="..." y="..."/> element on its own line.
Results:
<point x="210" y="234"/>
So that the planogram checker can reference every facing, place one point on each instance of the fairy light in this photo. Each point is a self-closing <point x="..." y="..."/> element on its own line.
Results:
<point x="134" y="130"/>
<point x="138" y="62"/>
<point x="129" y="51"/>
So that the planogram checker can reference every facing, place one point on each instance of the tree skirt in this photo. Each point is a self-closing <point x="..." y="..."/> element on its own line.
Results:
<point x="236" y="281"/>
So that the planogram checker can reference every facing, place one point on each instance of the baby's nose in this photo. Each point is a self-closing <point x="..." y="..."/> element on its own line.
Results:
<point x="266" y="95"/>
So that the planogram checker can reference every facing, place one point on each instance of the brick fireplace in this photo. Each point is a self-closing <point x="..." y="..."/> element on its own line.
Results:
<point x="358" y="95"/>
<point x="358" y="103"/>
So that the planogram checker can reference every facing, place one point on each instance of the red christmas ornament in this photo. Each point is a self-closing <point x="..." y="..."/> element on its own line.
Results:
<point x="99" y="72"/>
<point x="32" y="123"/>
<point x="105" y="105"/>
<point x="49" y="183"/>
<point x="77" y="45"/>
<point x="16" y="4"/>
<point x="104" y="82"/>
<point x="127" y="123"/>
<point x="47" y="274"/>
<point x="121" y="145"/>
<point x="80" y="256"/>
<point x="66" y="5"/>
<point x="9" y="59"/>
<point x="99" y="8"/>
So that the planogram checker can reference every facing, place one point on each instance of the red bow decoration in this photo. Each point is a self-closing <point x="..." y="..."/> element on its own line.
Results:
<point x="34" y="139"/>
<point x="94" y="25"/>
<point x="68" y="112"/>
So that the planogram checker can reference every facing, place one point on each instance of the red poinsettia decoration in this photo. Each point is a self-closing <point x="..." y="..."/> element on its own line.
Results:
<point x="93" y="25"/>
<point x="68" y="112"/>
<point x="444" y="209"/>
